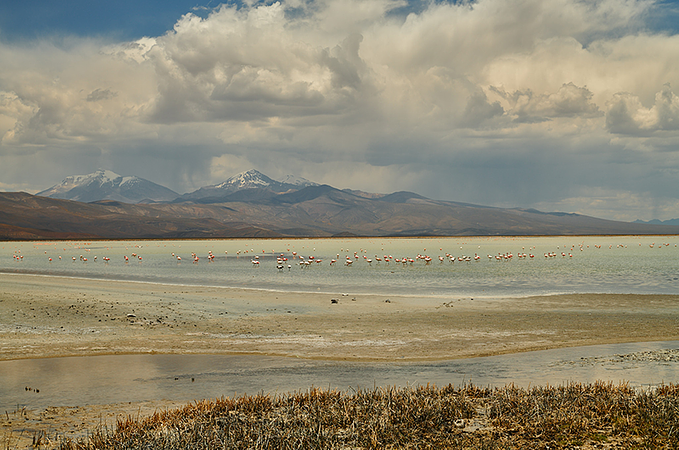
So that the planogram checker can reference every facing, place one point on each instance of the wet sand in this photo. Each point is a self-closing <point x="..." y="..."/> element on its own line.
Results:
<point x="50" y="316"/>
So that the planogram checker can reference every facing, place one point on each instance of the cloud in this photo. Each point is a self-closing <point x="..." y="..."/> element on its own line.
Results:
<point x="246" y="65"/>
<point x="100" y="94"/>
<point x="569" y="101"/>
<point x="627" y="115"/>
<point x="493" y="102"/>
<point x="479" y="110"/>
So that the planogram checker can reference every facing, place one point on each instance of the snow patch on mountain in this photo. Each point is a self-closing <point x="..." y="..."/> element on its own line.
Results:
<point x="298" y="181"/>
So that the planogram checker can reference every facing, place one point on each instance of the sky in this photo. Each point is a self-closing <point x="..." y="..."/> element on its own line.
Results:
<point x="558" y="105"/>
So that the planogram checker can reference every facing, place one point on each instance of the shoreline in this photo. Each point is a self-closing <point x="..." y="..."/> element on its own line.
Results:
<point x="291" y="292"/>
<point x="46" y="316"/>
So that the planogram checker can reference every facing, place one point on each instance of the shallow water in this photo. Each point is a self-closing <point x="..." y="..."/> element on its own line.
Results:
<point x="628" y="264"/>
<point x="76" y="381"/>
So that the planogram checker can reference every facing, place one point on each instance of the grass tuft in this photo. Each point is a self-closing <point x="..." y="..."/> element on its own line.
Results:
<point x="598" y="415"/>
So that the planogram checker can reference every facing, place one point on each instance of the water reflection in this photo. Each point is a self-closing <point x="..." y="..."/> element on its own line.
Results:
<point x="127" y="378"/>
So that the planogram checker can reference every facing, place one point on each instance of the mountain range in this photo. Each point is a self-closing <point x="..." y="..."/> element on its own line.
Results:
<point x="251" y="204"/>
<point x="107" y="185"/>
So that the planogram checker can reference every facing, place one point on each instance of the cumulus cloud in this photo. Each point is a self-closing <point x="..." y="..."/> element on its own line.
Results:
<point x="458" y="100"/>
<point x="569" y="101"/>
<point x="627" y="115"/>
<point x="247" y="65"/>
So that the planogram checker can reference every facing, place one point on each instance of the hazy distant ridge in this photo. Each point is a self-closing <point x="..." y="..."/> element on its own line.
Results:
<point x="659" y="222"/>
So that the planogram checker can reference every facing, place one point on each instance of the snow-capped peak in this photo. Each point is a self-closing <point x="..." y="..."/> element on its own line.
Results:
<point x="249" y="179"/>
<point x="108" y="185"/>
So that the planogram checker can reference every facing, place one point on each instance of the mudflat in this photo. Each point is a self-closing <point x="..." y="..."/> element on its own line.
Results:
<point x="42" y="316"/>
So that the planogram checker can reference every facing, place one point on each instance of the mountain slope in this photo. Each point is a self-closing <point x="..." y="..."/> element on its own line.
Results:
<point x="25" y="216"/>
<point x="107" y="185"/>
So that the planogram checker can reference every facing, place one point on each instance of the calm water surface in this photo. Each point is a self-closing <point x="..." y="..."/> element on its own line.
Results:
<point x="644" y="265"/>
<point x="122" y="378"/>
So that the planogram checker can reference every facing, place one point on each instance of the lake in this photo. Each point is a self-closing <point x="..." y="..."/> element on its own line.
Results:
<point x="482" y="266"/>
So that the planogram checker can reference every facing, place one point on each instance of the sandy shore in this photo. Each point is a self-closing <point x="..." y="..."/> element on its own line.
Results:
<point x="50" y="316"/>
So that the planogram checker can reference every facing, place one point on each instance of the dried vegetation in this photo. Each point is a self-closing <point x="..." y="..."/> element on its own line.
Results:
<point x="598" y="415"/>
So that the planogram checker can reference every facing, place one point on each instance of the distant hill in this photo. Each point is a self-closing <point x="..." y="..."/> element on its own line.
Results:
<point x="313" y="211"/>
<point x="107" y="185"/>
<point x="660" y="222"/>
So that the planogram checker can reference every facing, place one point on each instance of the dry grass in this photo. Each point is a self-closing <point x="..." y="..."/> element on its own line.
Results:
<point x="598" y="415"/>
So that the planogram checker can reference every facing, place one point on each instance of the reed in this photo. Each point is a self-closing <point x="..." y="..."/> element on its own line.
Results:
<point x="575" y="415"/>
